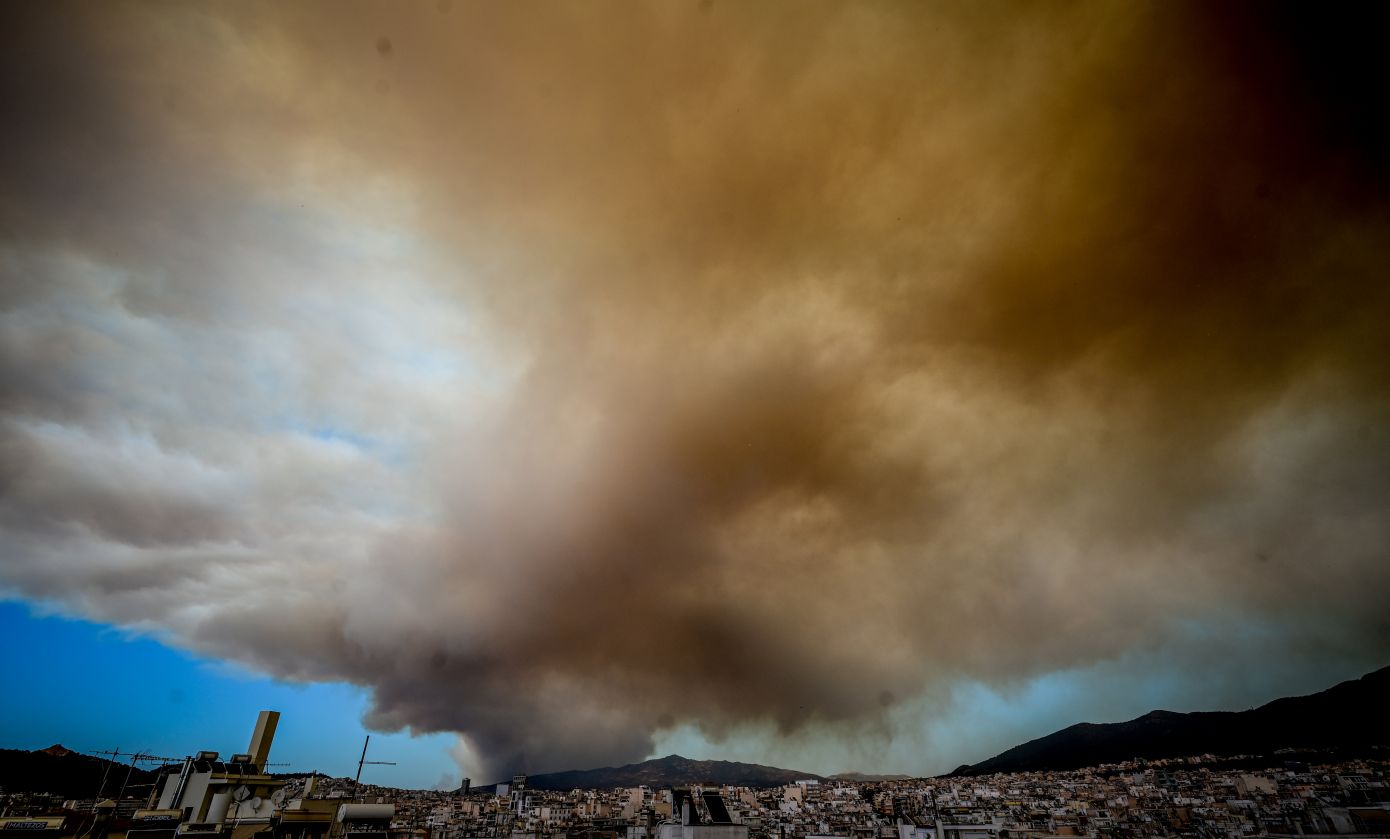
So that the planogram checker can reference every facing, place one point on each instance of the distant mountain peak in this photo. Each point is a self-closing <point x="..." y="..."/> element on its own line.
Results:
<point x="669" y="771"/>
<point x="866" y="777"/>
<point x="60" y="770"/>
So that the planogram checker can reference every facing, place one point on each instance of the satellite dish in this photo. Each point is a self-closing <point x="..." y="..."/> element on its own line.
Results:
<point x="241" y="793"/>
<point x="278" y="797"/>
<point x="256" y="803"/>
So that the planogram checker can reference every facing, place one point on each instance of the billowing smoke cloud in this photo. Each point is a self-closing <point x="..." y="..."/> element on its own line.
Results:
<point x="571" y="374"/>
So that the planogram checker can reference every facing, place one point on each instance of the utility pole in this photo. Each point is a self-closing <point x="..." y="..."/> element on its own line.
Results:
<point x="357" y="781"/>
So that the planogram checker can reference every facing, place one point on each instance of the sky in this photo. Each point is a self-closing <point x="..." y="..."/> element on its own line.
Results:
<point x="553" y="385"/>
<point x="95" y="688"/>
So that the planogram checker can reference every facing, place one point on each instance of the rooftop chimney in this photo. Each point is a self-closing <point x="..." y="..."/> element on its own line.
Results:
<point x="262" y="737"/>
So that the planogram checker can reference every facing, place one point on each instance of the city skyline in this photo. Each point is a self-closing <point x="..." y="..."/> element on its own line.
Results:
<point x="848" y="387"/>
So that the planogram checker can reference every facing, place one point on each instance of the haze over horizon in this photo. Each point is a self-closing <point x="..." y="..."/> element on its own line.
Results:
<point x="829" y="386"/>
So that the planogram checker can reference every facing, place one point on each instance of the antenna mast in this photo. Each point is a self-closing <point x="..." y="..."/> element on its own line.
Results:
<point x="362" y="761"/>
<point x="136" y="757"/>
<point x="110" y="761"/>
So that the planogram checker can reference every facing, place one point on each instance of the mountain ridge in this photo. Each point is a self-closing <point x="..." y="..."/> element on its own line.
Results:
<point x="668" y="771"/>
<point x="1343" y="716"/>
<point x="68" y="773"/>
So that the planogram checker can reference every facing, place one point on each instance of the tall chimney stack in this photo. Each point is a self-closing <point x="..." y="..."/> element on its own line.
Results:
<point x="262" y="737"/>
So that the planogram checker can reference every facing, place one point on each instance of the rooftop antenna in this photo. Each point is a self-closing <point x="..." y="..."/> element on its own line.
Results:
<point x="135" y="757"/>
<point x="113" y="754"/>
<point x="357" y="781"/>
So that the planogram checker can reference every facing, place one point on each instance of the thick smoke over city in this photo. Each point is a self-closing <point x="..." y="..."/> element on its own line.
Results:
<point x="570" y="374"/>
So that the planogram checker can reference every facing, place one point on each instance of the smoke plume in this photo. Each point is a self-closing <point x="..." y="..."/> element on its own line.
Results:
<point x="567" y="374"/>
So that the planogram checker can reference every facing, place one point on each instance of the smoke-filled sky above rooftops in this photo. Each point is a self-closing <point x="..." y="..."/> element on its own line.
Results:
<point x="592" y="380"/>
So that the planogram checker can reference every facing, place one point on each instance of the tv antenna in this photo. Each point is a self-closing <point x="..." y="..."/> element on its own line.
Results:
<point x="357" y="781"/>
<point x="111" y="754"/>
<point x="135" y="757"/>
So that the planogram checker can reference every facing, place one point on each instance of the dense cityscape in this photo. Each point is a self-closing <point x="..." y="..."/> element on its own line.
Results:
<point x="1204" y="797"/>
<point x="1133" y="799"/>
